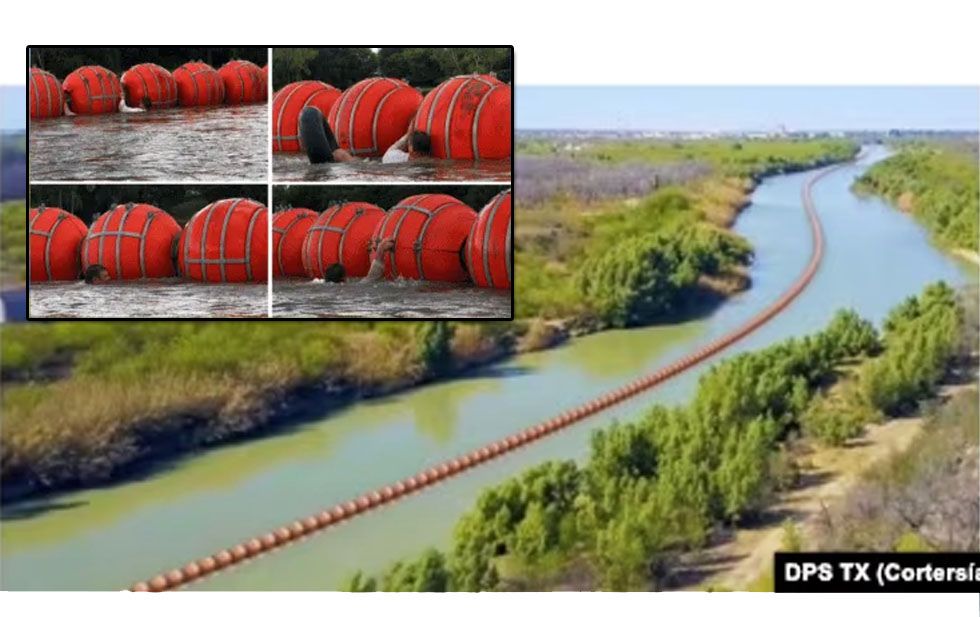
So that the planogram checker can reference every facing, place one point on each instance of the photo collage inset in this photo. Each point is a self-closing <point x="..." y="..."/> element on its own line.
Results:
<point x="254" y="182"/>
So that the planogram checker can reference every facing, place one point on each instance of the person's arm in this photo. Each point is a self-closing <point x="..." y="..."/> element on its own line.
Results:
<point x="377" y="270"/>
<point x="401" y="144"/>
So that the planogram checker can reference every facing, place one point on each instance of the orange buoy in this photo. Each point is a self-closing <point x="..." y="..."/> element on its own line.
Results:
<point x="158" y="583"/>
<point x="253" y="547"/>
<point x="324" y="519"/>
<point x="175" y="578"/>
<point x="239" y="552"/>
<point x="488" y="247"/>
<point x="55" y="244"/>
<point x="468" y="117"/>
<point x="150" y="86"/>
<point x="47" y="100"/>
<point x="269" y="541"/>
<point x="92" y="90"/>
<point x="341" y="234"/>
<point x="199" y="85"/>
<point x="140" y="587"/>
<point x="265" y="78"/>
<point x="191" y="571"/>
<point x="429" y="231"/>
<point x="373" y="114"/>
<point x="222" y="559"/>
<point x="225" y="242"/>
<point x="243" y="82"/>
<point x="287" y="105"/>
<point x="283" y="535"/>
<point x="289" y="228"/>
<point x="132" y="241"/>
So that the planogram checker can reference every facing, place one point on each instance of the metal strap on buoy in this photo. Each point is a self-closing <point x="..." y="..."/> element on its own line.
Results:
<point x="371" y="500"/>
<point x="221" y="261"/>
<point x="283" y="231"/>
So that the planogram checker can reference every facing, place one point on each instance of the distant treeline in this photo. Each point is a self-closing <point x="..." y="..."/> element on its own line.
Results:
<point x="88" y="201"/>
<point x="423" y="67"/>
<point x="63" y="60"/>
<point x="13" y="166"/>
<point x="385" y="196"/>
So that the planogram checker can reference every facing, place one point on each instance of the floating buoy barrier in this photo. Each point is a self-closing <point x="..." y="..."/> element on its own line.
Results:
<point x="287" y="105"/>
<point x="412" y="484"/>
<point x="92" y="90"/>
<point x="488" y="247"/>
<point x="341" y="234"/>
<point x="55" y="241"/>
<point x="265" y="78"/>
<point x="243" y="82"/>
<point x="429" y="231"/>
<point x="289" y="229"/>
<point x="225" y="242"/>
<point x="373" y="114"/>
<point x="47" y="100"/>
<point x="198" y="85"/>
<point x="468" y="117"/>
<point x="149" y="82"/>
<point x="132" y="241"/>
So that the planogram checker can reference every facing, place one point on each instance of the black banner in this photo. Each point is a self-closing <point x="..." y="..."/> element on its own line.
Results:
<point x="877" y="572"/>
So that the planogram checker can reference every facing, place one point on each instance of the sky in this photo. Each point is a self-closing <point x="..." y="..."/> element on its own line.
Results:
<point x="13" y="107"/>
<point x="730" y="108"/>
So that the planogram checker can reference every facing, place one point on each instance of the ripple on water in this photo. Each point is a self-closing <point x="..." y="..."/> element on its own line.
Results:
<point x="402" y="298"/>
<point x="206" y="144"/>
<point x="162" y="298"/>
<point x="295" y="167"/>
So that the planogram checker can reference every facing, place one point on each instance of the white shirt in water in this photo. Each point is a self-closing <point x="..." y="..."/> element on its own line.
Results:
<point x="394" y="155"/>
<point x="126" y="109"/>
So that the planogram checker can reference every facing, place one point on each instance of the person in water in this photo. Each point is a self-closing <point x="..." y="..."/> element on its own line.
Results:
<point x="126" y="109"/>
<point x="336" y="273"/>
<point x="95" y="274"/>
<point x="321" y="146"/>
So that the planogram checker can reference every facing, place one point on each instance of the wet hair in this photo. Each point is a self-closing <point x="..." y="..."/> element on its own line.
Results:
<point x="147" y="103"/>
<point x="335" y="273"/>
<point x="93" y="273"/>
<point x="421" y="142"/>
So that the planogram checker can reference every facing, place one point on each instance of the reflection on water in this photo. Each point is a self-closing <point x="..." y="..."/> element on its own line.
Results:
<point x="401" y="298"/>
<point x="205" y="144"/>
<point x="296" y="168"/>
<point x="152" y="298"/>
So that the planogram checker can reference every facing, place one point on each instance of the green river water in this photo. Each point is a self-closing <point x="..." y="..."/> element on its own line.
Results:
<point x="108" y="538"/>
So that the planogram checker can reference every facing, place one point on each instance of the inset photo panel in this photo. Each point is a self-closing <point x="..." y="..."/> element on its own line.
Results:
<point x="148" y="114"/>
<point x="392" y="252"/>
<point x="148" y="251"/>
<point x="392" y="114"/>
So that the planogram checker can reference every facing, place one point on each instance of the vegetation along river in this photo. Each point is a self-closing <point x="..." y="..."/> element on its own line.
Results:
<point x="107" y="538"/>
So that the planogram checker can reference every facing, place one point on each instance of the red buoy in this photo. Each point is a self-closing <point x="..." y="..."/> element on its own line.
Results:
<point x="198" y="85"/>
<point x="149" y="82"/>
<point x="47" y="100"/>
<point x="289" y="102"/>
<point x="243" y="82"/>
<point x="341" y="234"/>
<point x="132" y="241"/>
<point x="429" y="231"/>
<point x="92" y="90"/>
<point x="225" y="242"/>
<point x="56" y="239"/>
<point x="488" y="248"/>
<point x="373" y="114"/>
<point x="468" y="117"/>
<point x="265" y="78"/>
<point x="289" y="229"/>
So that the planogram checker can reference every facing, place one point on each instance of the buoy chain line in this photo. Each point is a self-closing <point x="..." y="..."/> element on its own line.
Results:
<point x="371" y="500"/>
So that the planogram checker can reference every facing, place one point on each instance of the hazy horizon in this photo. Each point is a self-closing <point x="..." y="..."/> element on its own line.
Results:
<point x="747" y="108"/>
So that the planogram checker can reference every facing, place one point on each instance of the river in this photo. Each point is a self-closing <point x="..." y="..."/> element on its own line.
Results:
<point x="187" y="144"/>
<point x="402" y="298"/>
<point x="107" y="538"/>
<point x="153" y="298"/>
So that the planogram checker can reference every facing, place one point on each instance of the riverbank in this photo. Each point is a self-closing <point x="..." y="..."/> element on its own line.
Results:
<point x="626" y="515"/>
<point x="140" y="395"/>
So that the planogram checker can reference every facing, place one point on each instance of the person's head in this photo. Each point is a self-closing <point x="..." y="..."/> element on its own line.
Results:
<point x="335" y="273"/>
<point x="95" y="274"/>
<point x="419" y="143"/>
<point x="147" y="103"/>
